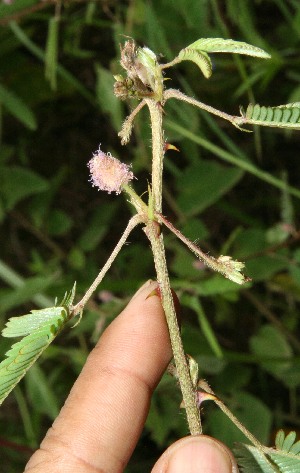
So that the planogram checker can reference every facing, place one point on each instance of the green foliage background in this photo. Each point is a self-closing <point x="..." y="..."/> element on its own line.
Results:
<point x="55" y="228"/>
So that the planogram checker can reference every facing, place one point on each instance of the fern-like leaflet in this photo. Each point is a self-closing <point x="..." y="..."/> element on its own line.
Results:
<point x="283" y="116"/>
<point x="197" y="52"/>
<point x="39" y="328"/>
<point x="284" y="459"/>
<point x="287" y="443"/>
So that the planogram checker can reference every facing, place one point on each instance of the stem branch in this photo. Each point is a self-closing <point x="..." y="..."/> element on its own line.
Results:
<point x="235" y="120"/>
<point x="128" y="124"/>
<point x="133" y="222"/>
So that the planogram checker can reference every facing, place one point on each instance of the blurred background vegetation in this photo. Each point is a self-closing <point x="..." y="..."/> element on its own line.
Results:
<point x="57" y="61"/>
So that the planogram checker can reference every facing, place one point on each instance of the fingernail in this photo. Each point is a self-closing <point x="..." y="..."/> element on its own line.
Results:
<point x="199" y="455"/>
<point x="141" y="289"/>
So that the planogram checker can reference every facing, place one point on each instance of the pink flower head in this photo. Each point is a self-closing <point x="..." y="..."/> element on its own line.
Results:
<point x="108" y="173"/>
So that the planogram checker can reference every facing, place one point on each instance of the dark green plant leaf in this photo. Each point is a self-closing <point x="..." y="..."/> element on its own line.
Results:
<point x="58" y="223"/>
<point x="27" y="291"/>
<point x="17" y="183"/>
<point x="40" y="392"/>
<point x="203" y="184"/>
<point x="106" y="98"/>
<point x="270" y="343"/>
<point x="17" y="108"/>
<point x="39" y="53"/>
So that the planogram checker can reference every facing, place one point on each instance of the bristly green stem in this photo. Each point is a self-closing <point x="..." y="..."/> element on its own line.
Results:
<point x="158" y="249"/>
<point x="156" y="113"/>
<point x="183" y="373"/>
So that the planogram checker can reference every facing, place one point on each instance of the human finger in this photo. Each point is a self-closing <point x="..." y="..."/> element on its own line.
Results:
<point x="101" y="421"/>
<point x="196" y="454"/>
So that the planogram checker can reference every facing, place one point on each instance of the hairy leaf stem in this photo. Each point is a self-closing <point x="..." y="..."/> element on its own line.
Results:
<point x="158" y="249"/>
<point x="133" y="222"/>
<point x="235" y="120"/>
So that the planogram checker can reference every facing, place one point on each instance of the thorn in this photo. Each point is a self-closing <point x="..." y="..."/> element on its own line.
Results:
<point x="168" y="146"/>
<point x="153" y="293"/>
<point x="203" y="396"/>
<point x="157" y="292"/>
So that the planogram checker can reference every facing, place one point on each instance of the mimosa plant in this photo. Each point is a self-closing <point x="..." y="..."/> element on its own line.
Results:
<point x="145" y="81"/>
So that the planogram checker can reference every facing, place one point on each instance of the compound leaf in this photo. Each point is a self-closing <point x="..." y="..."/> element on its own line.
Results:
<point x="197" y="52"/>
<point x="285" y="459"/>
<point x="40" y="328"/>
<point x="283" y="116"/>
<point x="251" y="460"/>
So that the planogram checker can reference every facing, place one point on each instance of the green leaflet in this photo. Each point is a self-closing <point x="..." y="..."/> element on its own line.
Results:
<point x="220" y="45"/>
<point x="285" y="459"/>
<point x="26" y="324"/>
<point x="198" y="57"/>
<point x="287" y="442"/>
<point x="41" y="327"/>
<point x="251" y="460"/>
<point x="197" y="52"/>
<point x="283" y="116"/>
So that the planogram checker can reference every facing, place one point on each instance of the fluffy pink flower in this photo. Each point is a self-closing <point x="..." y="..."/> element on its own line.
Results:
<point x="108" y="173"/>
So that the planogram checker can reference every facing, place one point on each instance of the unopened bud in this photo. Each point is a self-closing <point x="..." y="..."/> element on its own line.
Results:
<point x="108" y="173"/>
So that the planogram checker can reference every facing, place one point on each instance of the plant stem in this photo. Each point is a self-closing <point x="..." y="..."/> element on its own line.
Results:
<point x="225" y="265"/>
<point x="158" y="249"/>
<point x="172" y="93"/>
<point x="156" y="112"/>
<point x="133" y="222"/>
<point x="183" y="373"/>
<point x="128" y="124"/>
<point x="204" y="385"/>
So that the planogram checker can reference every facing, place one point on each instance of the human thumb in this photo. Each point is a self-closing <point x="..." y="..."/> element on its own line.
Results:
<point x="196" y="455"/>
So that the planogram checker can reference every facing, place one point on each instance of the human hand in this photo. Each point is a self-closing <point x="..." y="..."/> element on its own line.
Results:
<point x="103" y="417"/>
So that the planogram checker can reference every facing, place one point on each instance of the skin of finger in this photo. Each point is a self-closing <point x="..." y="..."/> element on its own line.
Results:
<point x="196" y="454"/>
<point x="101" y="421"/>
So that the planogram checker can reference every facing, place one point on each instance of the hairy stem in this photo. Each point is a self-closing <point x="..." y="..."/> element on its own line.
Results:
<point x="172" y="93"/>
<point x="204" y="385"/>
<point x="183" y="373"/>
<point x="133" y="222"/>
<point x="128" y="124"/>
<point x="158" y="249"/>
<point x="156" y="113"/>
<point x="225" y="265"/>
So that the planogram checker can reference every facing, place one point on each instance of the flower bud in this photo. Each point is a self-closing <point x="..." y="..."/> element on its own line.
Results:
<point x="108" y="173"/>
